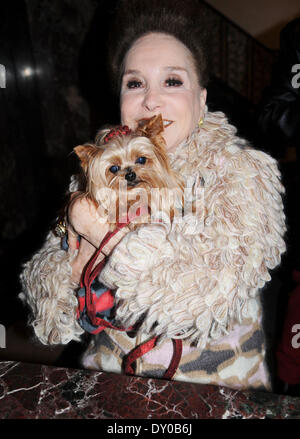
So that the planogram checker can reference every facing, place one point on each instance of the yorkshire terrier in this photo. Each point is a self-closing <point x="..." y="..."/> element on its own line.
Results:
<point x="122" y="170"/>
<point x="120" y="166"/>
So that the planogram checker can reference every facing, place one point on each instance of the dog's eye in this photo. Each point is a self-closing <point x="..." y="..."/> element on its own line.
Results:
<point x="114" y="169"/>
<point x="141" y="160"/>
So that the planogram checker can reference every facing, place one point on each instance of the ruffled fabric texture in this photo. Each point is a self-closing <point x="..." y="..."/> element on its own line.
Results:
<point x="50" y="293"/>
<point x="196" y="278"/>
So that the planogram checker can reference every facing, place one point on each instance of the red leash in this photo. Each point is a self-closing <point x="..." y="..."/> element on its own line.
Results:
<point x="88" y="277"/>
<point x="86" y="304"/>
<point x="143" y="348"/>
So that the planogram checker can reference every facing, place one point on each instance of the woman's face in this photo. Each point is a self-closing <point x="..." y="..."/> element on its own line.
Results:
<point x="160" y="77"/>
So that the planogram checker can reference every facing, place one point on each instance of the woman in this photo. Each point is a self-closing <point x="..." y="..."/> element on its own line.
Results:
<point x="210" y="298"/>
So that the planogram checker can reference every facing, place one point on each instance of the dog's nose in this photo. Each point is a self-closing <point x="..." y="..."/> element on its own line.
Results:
<point x="130" y="176"/>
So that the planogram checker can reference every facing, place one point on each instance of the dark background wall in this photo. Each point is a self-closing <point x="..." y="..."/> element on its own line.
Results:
<point x="56" y="96"/>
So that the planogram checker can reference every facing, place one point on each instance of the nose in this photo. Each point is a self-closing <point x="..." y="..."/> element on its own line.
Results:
<point x="152" y="100"/>
<point x="130" y="176"/>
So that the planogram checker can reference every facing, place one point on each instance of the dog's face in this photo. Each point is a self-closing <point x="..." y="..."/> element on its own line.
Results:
<point x="131" y="160"/>
<point x="127" y="163"/>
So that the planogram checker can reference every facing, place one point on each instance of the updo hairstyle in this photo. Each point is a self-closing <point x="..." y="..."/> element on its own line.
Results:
<point x="183" y="19"/>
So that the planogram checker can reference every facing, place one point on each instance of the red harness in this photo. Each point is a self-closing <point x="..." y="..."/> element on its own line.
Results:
<point x="90" y="304"/>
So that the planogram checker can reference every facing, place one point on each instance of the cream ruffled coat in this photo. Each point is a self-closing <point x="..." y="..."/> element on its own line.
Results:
<point x="197" y="279"/>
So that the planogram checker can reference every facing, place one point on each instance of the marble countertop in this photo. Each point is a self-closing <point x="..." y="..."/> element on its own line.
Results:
<point x="34" y="391"/>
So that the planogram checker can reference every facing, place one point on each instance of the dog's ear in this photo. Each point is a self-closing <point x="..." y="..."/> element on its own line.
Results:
<point x="151" y="127"/>
<point x="85" y="153"/>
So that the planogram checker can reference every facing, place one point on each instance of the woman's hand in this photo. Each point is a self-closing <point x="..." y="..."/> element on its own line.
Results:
<point x="84" y="221"/>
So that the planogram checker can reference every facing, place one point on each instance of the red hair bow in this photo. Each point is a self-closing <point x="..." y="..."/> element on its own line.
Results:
<point x="122" y="129"/>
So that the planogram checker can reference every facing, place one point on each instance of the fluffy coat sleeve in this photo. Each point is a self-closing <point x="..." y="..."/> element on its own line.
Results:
<point x="48" y="290"/>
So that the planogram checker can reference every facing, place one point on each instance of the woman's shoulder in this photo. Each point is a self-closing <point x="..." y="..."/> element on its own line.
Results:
<point x="242" y="163"/>
<point x="245" y="153"/>
<point x="223" y="159"/>
<point x="223" y="144"/>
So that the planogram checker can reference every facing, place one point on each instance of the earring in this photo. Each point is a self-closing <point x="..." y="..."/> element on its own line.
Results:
<point x="200" y="122"/>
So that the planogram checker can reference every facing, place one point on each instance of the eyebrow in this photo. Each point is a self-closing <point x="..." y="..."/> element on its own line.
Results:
<point x="168" y="68"/>
<point x="131" y="72"/>
<point x="172" y="68"/>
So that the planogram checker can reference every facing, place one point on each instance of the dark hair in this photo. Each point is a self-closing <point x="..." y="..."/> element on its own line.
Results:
<point x="183" y="19"/>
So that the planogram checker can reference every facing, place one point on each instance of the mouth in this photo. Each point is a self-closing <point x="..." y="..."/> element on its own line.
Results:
<point x="166" y="122"/>
<point x="133" y="183"/>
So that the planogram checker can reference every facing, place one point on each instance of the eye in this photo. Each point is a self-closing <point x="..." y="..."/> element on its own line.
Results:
<point x="134" y="84"/>
<point x="141" y="160"/>
<point x="174" y="82"/>
<point x="114" y="169"/>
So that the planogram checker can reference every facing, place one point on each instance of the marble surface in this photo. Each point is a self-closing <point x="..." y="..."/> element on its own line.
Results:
<point x="33" y="391"/>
